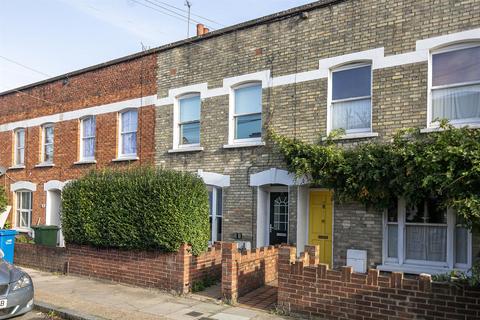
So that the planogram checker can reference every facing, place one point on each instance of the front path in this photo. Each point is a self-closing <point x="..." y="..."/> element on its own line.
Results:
<point x="115" y="301"/>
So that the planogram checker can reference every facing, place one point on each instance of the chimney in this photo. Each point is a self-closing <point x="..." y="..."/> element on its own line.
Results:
<point x="200" y="29"/>
<point x="205" y="30"/>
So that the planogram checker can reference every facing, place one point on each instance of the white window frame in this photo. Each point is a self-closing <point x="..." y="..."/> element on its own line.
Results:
<point x="44" y="145"/>
<point x="121" y="155"/>
<point x="82" y="138"/>
<point x="233" y="115"/>
<point x="19" y="210"/>
<point x="431" y="87"/>
<point x="213" y="212"/>
<point x="176" y="120"/>
<point x="16" y="147"/>
<point x="330" y="101"/>
<point x="419" y="266"/>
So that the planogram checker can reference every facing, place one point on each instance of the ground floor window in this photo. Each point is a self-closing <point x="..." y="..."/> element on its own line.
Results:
<point x="425" y="234"/>
<point x="24" y="209"/>
<point x="216" y="213"/>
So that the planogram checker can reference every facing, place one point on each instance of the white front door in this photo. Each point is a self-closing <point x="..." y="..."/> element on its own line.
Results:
<point x="54" y="210"/>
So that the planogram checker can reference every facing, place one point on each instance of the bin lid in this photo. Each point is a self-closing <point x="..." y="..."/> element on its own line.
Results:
<point x="45" y="227"/>
<point x="8" y="232"/>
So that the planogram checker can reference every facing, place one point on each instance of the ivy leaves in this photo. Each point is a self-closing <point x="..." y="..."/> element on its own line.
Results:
<point x="444" y="164"/>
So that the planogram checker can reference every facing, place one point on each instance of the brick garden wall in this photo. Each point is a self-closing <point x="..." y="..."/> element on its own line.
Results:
<point x="245" y="271"/>
<point x="165" y="271"/>
<point x="307" y="287"/>
<point x="40" y="257"/>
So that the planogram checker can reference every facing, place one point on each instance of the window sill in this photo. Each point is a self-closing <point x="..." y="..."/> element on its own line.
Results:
<point x="415" y="269"/>
<point x="44" y="165"/>
<point x="473" y="125"/>
<point x="350" y="136"/>
<point x="17" y="167"/>
<point x="244" y="144"/>
<point x="85" y="162"/>
<point x="22" y="230"/>
<point x="186" y="149"/>
<point x="121" y="159"/>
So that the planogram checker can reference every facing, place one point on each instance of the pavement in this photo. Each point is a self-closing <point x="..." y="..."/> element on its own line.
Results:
<point x="99" y="300"/>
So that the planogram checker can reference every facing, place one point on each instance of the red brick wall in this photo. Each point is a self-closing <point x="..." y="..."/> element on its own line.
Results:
<point x="166" y="271"/>
<point x="245" y="271"/>
<point x="53" y="259"/>
<point x="118" y="82"/>
<point x="207" y="264"/>
<point x="307" y="287"/>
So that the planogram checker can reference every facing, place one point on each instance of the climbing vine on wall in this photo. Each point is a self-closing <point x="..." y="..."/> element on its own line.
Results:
<point x="444" y="164"/>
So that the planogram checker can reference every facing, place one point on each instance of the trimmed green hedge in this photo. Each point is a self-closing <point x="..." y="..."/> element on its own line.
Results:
<point x="3" y="199"/>
<point x="141" y="208"/>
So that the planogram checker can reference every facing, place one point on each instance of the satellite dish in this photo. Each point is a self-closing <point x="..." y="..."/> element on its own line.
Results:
<point x="2" y="170"/>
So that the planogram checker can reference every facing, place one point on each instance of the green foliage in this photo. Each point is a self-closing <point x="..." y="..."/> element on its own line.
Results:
<point x="3" y="199"/>
<point x="444" y="164"/>
<point x="22" y="238"/>
<point x="141" y="208"/>
<point x="204" y="283"/>
<point x="470" y="278"/>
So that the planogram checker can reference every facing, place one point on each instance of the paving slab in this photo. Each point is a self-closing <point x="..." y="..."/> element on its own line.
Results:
<point x="107" y="300"/>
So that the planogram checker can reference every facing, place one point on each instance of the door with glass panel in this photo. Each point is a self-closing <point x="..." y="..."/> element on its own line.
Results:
<point x="278" y="217"/>
<point x="216" y="213"/>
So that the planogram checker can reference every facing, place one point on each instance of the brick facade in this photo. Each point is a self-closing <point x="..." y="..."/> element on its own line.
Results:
<point x="288" y="46"/>
<point x="100" y="87"/>
<point x="310" y="288"/>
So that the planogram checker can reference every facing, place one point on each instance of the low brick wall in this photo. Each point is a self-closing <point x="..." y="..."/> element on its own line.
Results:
<point x="307" y="287"/>
<point x="165" y="271"/>
<point x="52" y="259"/>
<point x="246" y="271"/>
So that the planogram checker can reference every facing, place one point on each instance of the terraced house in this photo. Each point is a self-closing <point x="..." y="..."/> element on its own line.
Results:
<point x="368" y="67"/>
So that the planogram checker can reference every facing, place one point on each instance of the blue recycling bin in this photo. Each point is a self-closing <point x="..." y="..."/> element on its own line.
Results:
<point x="7" y="243"/>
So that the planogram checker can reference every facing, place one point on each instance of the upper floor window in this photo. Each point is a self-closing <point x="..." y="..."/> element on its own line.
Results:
<point x="455" y="84"/>
<point x="47" y="143"/>
<point x="351" y="99"/>
<point x="128" y="133"/>
<point x="247" y="115"/>
<point x="23" y="209"/>
<point x="189" y="120"/>
<point x="87" y="138"/>
<point x="19" y="147"/>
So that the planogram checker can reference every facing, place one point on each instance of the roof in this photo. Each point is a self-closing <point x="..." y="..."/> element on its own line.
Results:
<point x="244" y="25"/>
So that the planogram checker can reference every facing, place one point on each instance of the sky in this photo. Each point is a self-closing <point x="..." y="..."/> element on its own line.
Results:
<point x="54" y="37"/>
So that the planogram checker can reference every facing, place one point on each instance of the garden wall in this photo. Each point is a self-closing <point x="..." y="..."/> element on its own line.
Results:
<point x="307" y="287"/>
<point x="245" y="271"/>
<point x="165" y="271"/>
<point x="52" y="259"/>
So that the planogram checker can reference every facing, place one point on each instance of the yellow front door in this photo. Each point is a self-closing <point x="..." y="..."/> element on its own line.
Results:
<point x="320" y="223"/>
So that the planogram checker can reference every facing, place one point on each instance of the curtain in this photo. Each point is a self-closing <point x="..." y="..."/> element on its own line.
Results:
<point x="456" y="103"/>
<point x="129" y="143"/>
<point x="428" y="243"/>
<point x="351" y="115"/>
